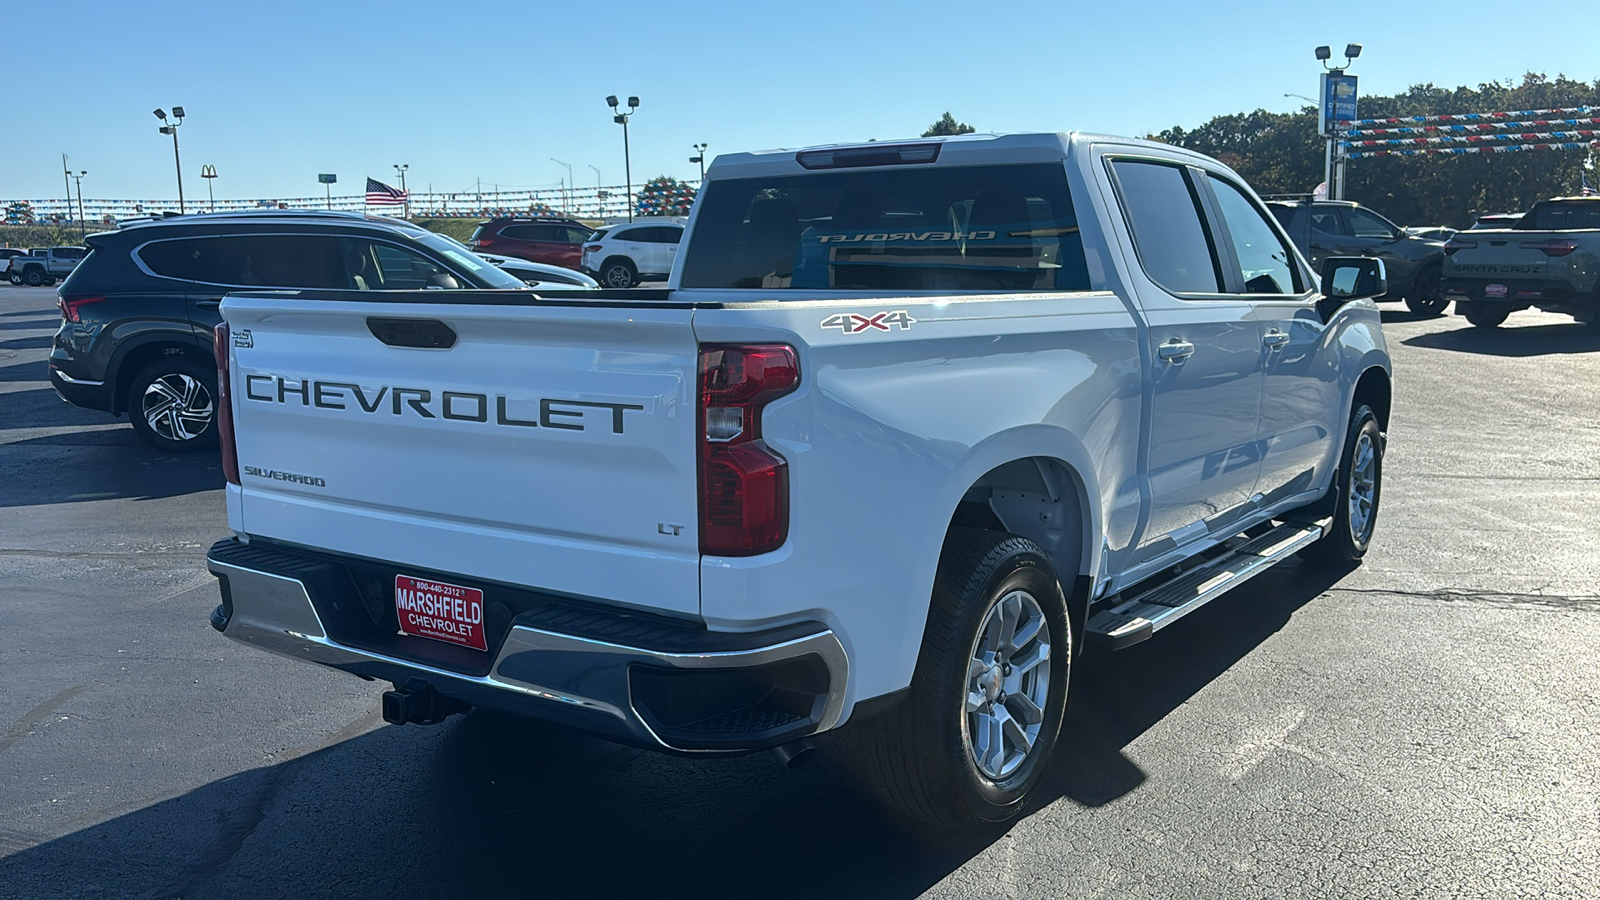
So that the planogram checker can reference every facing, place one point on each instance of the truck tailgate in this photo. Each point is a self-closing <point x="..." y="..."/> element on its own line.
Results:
<point x="1498" y="255"/>
<point x="546" y="446"/>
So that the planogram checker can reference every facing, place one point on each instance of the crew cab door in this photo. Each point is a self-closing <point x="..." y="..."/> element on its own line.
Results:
<point x="1204" y="358"/>
<point x="1300" y="403"/>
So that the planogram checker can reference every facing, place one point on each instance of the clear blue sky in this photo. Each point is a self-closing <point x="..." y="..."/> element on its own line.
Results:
<point x="279" y="91"/>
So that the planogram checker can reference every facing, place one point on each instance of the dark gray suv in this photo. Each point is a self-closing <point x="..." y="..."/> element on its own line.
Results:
<point x="1324" y="228"/>
<point x="137" y="313"/>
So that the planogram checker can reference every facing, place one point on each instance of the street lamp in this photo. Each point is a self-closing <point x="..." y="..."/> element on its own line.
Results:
<point x="172" y="129"/>
<point x="621" y="118"/>
<point x="401" y="168"/>
<point x="700" y="157"/>
<point x="66" y="179"/>
<point x="209" y="173"/>
<point x="83" y="225"/>
<point x="1334" y="80"/>
<point x="568" y="208"/>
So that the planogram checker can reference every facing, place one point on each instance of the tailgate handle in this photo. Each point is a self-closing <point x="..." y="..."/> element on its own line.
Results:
<point x="428" y="334"/>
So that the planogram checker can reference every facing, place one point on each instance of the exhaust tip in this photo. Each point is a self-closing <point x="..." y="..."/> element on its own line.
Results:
<point x="795" y="754"/>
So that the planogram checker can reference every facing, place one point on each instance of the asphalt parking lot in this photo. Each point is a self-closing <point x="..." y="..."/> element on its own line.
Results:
<point x="1423" y="726"/>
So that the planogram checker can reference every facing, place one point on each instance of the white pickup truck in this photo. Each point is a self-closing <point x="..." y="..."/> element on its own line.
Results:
<point x="911" y="424"/>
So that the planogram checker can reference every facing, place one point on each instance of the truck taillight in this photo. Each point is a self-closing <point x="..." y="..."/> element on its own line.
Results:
<point x="1558" y="247"/>
<point x="744" y="485"/>
<point x="221" y="340"/>
<point x="1452" y="245"/>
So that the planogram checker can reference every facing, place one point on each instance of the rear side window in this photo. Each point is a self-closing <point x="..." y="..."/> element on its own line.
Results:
<point x="1164" y="215"/>
<point x="599" y="233"/>
<point x="1370" y="225"/>
<point x="982" y="229"/>
<point x="269" y="260"/>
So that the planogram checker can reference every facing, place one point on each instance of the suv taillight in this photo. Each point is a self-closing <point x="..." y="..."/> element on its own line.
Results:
<point x="590" y="248"/>
<point x="744" y="485"/>
<point x="69" y="308"/>
<point x="1555" y="247"/>
<point x="481" y="242"/>
<point x="221" y="339"/>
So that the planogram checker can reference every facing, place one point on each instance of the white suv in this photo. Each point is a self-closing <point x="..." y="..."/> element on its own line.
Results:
<point x="621" y="256"/>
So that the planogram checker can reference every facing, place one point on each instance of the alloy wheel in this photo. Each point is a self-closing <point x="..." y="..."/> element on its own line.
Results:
<point x="1008" y="685"/>
<point x="177" y="407"/>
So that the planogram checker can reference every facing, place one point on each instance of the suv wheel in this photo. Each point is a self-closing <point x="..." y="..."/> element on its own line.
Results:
<point x="971" y="740"/>
<point x="1426" y="297"/>
<point x="171" y="405"/>
<point x="619" y="272"/>
<point x="16" y="277"/>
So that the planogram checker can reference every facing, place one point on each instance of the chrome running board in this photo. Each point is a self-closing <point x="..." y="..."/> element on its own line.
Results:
<point x="1133" y="619"/>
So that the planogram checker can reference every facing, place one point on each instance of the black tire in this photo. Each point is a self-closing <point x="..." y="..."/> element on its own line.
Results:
<point x="619" y="272"/>
<point x="189" y="389"/>
<point x="32" y="276"/>
<point x="1483" y="316"/>
<point x="1350" y="534"/>
<point x="920" y="755"/>
<point x="16" y="277"/>
<point x="1427" y="296"/>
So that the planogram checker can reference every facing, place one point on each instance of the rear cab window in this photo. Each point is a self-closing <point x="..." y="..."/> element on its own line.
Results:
<point x="972" y="228"/>
<point x="1162" y="208"/>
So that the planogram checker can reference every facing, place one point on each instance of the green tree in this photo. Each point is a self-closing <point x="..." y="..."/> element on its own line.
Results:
<point x="1281" y="153"/>
<point x="947" y="125"/>
<point x="664" y="195"/>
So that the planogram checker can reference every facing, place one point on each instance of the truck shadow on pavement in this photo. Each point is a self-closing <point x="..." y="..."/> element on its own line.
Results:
<point x="487" y="807"/>
<point x="1530" y="340"/>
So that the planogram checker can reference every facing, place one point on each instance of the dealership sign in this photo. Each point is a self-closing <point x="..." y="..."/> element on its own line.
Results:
<point x="1338" y="100"/>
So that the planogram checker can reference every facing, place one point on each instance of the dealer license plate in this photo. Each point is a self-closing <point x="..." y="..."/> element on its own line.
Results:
<point x="1494" y="290"/>
<point x="443" y="612"/>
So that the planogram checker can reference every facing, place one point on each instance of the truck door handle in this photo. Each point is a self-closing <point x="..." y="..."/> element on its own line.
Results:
<point x="1175" y="351"/>
<point x="1274" y="339"/>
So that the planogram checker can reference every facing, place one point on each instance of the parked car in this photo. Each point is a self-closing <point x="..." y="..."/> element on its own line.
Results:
<point x="1431" y="232"/>
<point x="44" y="266"/>
<point x="911" y="423"/>
<point x="554" y="242"/>
<point x="1496" y="220"/>
<point x="1324" y="228"/>
<point x="1548" y="259"/>
<point x="623" y="255"/>
<point x="137" y="314"/>
<point x="534" y="274"/>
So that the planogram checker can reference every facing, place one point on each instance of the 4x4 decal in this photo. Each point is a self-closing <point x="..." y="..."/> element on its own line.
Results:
<point x="856" y="323"/>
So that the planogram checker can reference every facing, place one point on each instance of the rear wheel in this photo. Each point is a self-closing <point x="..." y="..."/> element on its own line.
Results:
<point x="1426" y="297"/>
<point x="1486" y="316"/>
<point x="619" y="272"/>
<point x="16" y="277"/>
<point x="972" y="739"/>
<point x="32" y="277"/>
<point x="171" y="405"/>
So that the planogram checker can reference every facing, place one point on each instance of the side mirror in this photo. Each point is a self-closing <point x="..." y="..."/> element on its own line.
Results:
<point x="443" y="281"/>
<point x="1346" y="278"/>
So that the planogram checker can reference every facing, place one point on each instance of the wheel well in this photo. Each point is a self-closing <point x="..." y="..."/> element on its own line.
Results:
<point x="617" y="258"/>
<point x="1373" y="389"/>
<point x="138" y="358"/>
<point x="1043" y="500"/>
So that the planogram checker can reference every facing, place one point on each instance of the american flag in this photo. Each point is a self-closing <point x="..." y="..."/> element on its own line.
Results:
<point x="380" y="194"/>
<point x="1588" y="191"/>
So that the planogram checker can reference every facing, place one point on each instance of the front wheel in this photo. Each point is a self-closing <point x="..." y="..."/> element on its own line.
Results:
<point x="1426" y="297"/>
<point x="16" y="277"/>
<point x="985" y="707"/>
<point x="1358" y="486"/>
<point x="33" y="278"/>
<point x="170" y="403"/>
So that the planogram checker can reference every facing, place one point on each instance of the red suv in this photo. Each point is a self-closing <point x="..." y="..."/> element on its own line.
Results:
<point x="555" y="242"/>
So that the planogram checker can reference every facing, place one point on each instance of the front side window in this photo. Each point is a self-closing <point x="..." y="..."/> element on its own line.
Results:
<point x="1369" y="225"/>
<point x="1264" y="260"/>
<point x="981" y="229"/>
<point x="1164" y="215"/>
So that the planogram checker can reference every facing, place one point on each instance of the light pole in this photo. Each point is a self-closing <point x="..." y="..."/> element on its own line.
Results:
<point x="209" y="173"/>
<point x="66" y="176"/>
<point x="621" y="118"/>
<point x="1309" y="100"/>
<point x="328" y="180"/>
<point x="1334" y="80"/>
<point x="172" y="129"/>
<point x="83" y="225"/>
<point x="568" y="209"/>
<point x="599" y="193"/>
<point x="700" y="157"/>
<point x="401" y="168"/>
